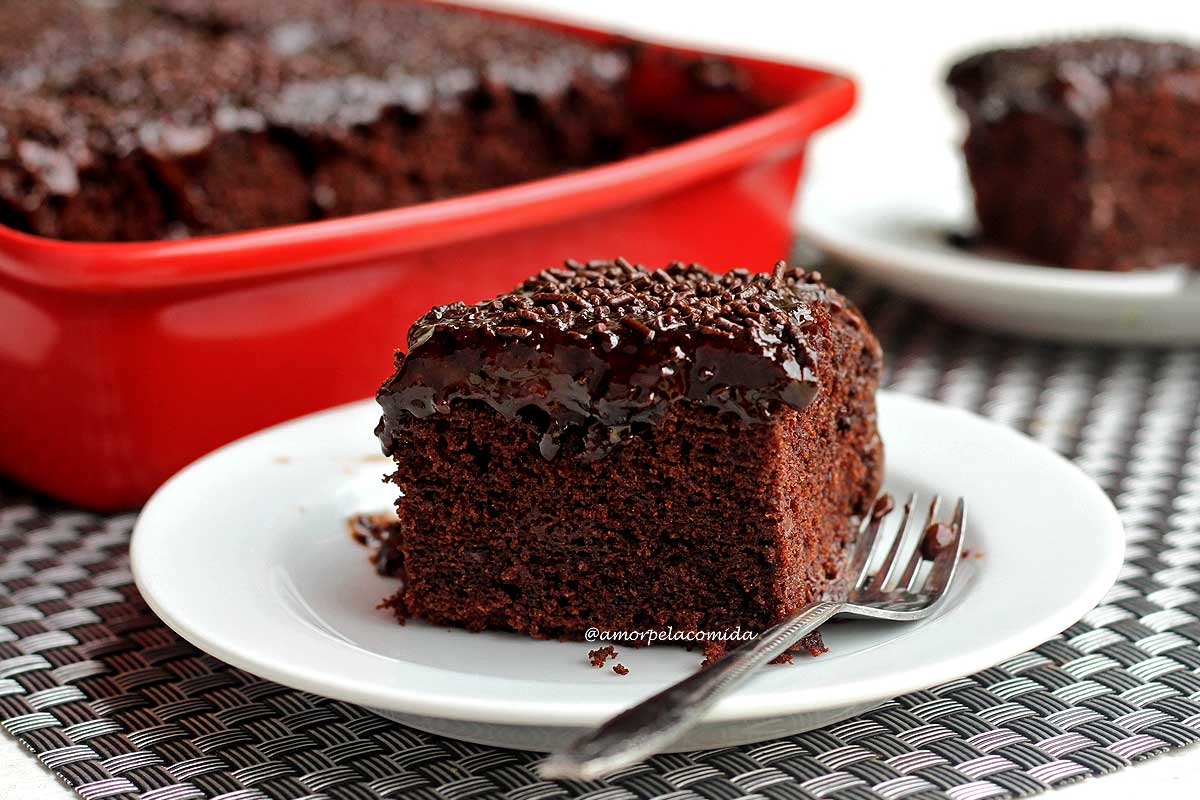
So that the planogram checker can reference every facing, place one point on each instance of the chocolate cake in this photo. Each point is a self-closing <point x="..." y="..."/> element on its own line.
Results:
<point x="626" y="448"/>
<point x="1083" y="153"/>
<point x="146" y="119"/>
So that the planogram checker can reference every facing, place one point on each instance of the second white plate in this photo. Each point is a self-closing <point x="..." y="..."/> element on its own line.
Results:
<point x="245" y="554"/>
<point x="890" y="220"/>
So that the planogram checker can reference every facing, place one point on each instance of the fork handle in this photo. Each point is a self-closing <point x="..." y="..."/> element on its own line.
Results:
<point x="643" y="730"/>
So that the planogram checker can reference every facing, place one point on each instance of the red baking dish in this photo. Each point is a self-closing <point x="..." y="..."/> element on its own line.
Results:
<point x="120" y="363"/>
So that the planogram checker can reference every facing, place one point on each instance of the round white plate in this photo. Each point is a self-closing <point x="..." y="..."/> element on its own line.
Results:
<point x="246" y="555"/>
<point x="890" y="220"/>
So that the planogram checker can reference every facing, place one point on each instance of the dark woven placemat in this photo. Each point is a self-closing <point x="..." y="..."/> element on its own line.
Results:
<point x="115" y="704"/>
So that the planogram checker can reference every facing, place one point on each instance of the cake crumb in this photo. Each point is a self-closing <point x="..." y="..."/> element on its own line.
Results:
<point x="814" y="644"/>
<point x="601" y="654"/>
<point x="712" y="651"/>
<point x="620" y="669"/>
<point x="937" y="538"/>
<point x="811" y="644"/>
<point x="882" y="507"/>
<point x="375" y="531"/>
<point x="369" y="527"/>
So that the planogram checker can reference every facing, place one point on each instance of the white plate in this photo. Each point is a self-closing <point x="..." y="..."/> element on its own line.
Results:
<point x="889" y="219"/>
<point x="245" y="554"/>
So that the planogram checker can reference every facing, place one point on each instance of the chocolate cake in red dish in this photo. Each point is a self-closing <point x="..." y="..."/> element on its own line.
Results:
<point x="616" y="447"/>
<point x="147" y="119"/>
<point x="1084" y="153"/>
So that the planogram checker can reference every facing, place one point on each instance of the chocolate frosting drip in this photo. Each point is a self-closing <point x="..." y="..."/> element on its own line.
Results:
<point x="1068" y="78"/>
<point x="593" y="353"/>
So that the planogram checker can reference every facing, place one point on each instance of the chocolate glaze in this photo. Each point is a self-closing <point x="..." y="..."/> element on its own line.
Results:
<point x="1069" y="79"/>
<point x="883" y="506"/>
<point x="938" y="536"/>
<point x="593" y="353"/>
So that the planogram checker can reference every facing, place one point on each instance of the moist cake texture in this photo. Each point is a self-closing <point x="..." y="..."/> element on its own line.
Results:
<point x="147" y="119"/>
<point x="1082" y="153"/>
<point x="626" y="448"/>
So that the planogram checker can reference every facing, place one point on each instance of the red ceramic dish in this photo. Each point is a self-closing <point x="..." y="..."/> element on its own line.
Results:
<point x="120" y="363"/>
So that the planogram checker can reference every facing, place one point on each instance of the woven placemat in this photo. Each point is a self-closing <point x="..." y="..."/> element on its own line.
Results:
<point x="119" y="707"/>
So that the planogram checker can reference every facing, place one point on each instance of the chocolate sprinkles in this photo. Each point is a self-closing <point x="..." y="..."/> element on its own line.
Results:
<point x="590" y="351"/>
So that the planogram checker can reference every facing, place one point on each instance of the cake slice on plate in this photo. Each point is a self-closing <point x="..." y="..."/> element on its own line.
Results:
<point x="616" y="447"/>
<point x="1083" y="153"/>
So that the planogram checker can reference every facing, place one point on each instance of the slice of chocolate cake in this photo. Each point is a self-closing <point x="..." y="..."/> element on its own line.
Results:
<point x="626" y="448"/>
<point x="1084" y="153"/>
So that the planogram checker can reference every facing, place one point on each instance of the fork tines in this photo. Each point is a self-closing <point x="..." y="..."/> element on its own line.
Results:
<point x="936" y="543"/>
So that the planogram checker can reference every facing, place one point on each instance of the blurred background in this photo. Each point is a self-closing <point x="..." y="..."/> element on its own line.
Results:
<point x="899" y="52"/>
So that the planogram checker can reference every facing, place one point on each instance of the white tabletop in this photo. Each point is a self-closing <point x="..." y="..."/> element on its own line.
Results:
<point x="898" y="52"/>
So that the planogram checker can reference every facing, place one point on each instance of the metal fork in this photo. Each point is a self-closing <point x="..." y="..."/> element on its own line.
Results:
<point x="900" y="588"/>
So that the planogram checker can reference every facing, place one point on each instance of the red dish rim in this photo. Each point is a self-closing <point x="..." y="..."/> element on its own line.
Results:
<point x="266" y="252"/>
